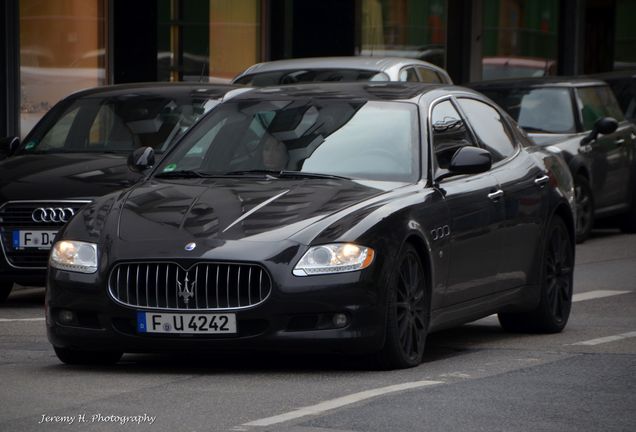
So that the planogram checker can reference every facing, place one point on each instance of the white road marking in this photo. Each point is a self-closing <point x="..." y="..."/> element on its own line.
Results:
<point x="590" y="295"/>
<point x="340" y="402"/>
<point x="20" y="319"/>
<point x="607" y="339"/>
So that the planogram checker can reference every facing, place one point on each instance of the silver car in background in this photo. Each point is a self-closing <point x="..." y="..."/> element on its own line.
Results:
<point x="342" y="69"/>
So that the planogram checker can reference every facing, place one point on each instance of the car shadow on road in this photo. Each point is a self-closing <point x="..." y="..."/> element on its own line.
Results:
<point x="24" y="298"/>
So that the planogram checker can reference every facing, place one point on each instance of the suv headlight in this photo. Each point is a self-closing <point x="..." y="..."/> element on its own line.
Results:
<point x="74" y="256"/>
<point x="334" y="258"/>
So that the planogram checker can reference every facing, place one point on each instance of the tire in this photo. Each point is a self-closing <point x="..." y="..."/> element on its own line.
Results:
<point x="408" y="313"/>
<point x="78" y="357"/>
<point x="584" y="208"/>
<point x="557" y="270"/>
<point x="628" y="221"/>
<point x="5" y="290"/>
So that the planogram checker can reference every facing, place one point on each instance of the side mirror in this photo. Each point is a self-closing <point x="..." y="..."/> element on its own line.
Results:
<point x="8" y="146"/>
<point x="604" y="125"/>
<point x="468" y="160"/>
<point x="141" y="159"/>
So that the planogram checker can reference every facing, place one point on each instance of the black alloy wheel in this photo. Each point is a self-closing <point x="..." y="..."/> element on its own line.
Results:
<point x="553" y="311"/>
<point x="79" y="357"/>
<point x="5" y="289"/>
<point x="408" y="313"/>
<point x="584" y="208"/>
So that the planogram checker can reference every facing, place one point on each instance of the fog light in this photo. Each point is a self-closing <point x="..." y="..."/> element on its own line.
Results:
<point x="340" y="320"/>
<point x="66" y="316"/>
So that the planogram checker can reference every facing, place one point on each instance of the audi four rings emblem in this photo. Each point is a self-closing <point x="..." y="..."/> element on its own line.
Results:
<point x="50" y="214"/>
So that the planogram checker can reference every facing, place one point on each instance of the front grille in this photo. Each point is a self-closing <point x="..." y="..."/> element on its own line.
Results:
<point x="17" y="216"/>
<point x="209" y="286"/>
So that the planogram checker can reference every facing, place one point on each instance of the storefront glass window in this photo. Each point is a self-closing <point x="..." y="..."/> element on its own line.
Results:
<point x="212" y="40"/>
<point x="61" y="51"/>
<point x="520" y="38"/>
<point x="625" y="47"/>
<point x="404" y="28"/>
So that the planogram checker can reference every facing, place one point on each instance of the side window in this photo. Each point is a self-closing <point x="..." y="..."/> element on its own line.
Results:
<point x="56" y="137"/>
<point x="449" y="133"/>
<point x="596" y="102"/>
<point x="428" y="75"/>
<point x="489" y="127"/>
<point x="408" y="74"/>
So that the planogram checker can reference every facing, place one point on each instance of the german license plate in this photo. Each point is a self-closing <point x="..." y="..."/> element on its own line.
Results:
<point x="150" y="322"/>
<point x="23" y="239"/>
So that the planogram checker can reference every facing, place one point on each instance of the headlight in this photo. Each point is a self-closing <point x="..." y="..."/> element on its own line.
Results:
<point x="334" y="258"/>
<point x="74" y="256"/>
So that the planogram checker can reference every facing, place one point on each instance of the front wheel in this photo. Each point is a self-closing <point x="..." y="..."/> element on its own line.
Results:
<point x="553" y="311"/>
<point x="407" y="314"/>
<point x="79" y="357"/>
<point x="5" y="290"/>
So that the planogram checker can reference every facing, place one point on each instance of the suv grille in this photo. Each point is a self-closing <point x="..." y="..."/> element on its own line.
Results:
<point x="209" y="286"/>
<point x="17" y="216"/>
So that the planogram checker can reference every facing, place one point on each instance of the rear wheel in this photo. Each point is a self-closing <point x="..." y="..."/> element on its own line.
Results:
<point x="5" y="289"/>
<point x="407" y="315"/>
<point x="553" y="311"/>
<point x="584" y="208"/>
<point x="79" y="357"/>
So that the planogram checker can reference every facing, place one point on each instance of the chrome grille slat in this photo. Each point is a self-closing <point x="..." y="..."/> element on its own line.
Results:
<point x="127" y="285"/>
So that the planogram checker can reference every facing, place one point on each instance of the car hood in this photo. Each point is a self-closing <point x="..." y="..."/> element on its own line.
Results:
<point x="63" y="176"/>
<point x="236" y="208"/>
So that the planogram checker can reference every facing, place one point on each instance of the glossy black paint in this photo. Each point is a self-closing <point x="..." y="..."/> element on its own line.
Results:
<point x="604" y="156"/>
<point x="479" y="254"/>
<point x="64" y="176"/>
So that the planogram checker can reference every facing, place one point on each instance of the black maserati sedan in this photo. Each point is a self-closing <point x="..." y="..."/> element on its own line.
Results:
<point x="581" y="118"/>
<point x="78" y="152"/>
<point x="347" y="218"/>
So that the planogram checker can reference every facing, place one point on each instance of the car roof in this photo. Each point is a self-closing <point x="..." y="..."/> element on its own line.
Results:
<point x="558" y="81"/>
<point x="213" y="91"/>
<point x="363" y="90"/>
<point x="349" y="62"/>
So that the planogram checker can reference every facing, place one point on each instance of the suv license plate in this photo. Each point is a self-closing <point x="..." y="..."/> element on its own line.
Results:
<point x="150" y="322"/>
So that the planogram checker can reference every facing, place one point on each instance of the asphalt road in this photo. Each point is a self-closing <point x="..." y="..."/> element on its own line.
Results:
<point x="474" y="378"/>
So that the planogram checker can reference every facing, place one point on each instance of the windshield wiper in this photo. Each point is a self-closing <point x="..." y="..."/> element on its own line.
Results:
<point x="182" y="174"/>
<point x="285" y="174"/>
<point x="531" y="129"/>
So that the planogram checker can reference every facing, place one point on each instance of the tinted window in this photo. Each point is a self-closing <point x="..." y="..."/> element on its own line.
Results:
<point x="119" y="124"/>
<point x="449" y="133"/>
<point x="310" y="75"/>
<point x="428" y="75"/>
<point x="409" y="75"/>
<point x="546" y="110"/>
<point x="489" y="127"/>
<point x="597" y="102"/>
<point x="363" y="140"/>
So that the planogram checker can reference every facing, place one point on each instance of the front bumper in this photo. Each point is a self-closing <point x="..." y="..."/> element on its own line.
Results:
<point x="296" y="317"/>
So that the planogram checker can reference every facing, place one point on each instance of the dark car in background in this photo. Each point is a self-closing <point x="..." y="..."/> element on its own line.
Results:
<point x="77" y="152"/>
<point x="581" y="118"/>
<point x="341" y="69"/>
<point x="351" y="217"/>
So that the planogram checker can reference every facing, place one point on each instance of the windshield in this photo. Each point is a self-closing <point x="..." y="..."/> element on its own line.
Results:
<point x="361" y="140"/>
<point x="297" y="76"/>
<point x="116" y="124"/>
<point x="537" y="110"/>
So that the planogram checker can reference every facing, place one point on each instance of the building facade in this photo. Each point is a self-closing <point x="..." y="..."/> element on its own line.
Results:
<point x="50" y="48"/>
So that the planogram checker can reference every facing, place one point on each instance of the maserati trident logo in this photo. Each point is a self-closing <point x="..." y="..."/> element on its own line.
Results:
<point x="186" y="290"/>
<point x="190" y="246"/>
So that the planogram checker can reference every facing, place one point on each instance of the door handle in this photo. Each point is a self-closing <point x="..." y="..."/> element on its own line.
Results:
<point x="619" y="142"/>
<point x="541" y="181"/>
<point x="496" y="195"/>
